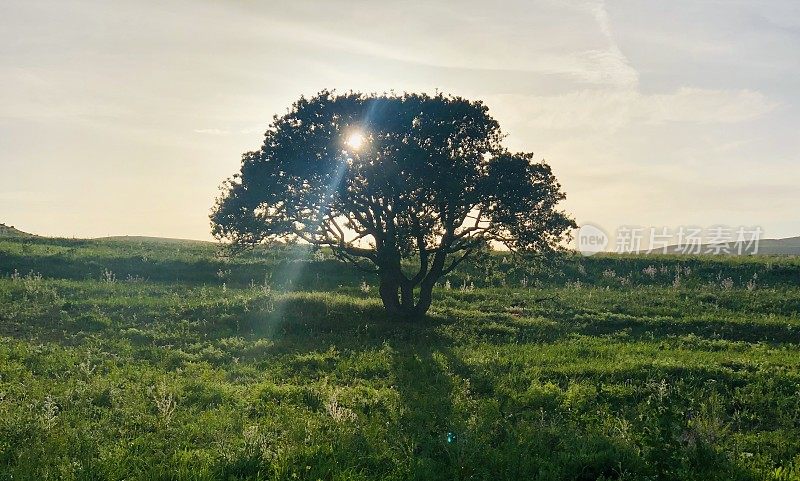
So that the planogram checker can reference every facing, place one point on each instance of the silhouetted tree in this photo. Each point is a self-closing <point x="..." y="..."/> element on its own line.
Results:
<point x="387" y="181"/>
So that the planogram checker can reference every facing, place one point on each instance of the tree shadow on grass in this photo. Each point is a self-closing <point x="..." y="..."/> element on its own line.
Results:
<point x="459" y="425"/>
<point x="453" y="423"/>
<point x="457" y="433"/>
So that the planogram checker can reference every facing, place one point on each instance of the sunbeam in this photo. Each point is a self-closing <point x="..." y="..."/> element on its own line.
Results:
<point x="355" y="140"/>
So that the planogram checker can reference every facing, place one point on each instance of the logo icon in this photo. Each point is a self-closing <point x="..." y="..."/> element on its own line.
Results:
<point x="591" y="240"/>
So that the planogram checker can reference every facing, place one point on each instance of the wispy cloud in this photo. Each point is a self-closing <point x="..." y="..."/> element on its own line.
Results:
<point x="212" y="131"/>
<point x="615" y="62"/>
<point x="704" y="106"/>
<point x="215" y="131"/>
<point x="610" y="110"/>
<point x="507" y="39"/>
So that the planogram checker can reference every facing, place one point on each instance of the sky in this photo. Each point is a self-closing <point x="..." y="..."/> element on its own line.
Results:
<point x="124" y="117"/>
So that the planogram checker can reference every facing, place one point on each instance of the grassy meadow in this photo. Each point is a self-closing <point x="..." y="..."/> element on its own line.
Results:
<point x="138" y="359"/>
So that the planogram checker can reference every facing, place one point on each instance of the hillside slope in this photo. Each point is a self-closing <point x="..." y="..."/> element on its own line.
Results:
<point x="11" y="231"/>
<point x="787" y="246"/>
<point x="151" y="240"/>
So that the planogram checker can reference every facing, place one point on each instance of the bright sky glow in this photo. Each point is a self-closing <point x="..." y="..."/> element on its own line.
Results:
<point x="124" y="117"/>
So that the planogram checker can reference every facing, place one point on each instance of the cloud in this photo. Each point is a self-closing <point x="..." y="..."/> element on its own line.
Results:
<point x="477" y="38"/>
<point x="252" y="130"/>
<point x="212" y="131"/>
<point x="615" y="63"/>
<point x="610" y="110"/>
<point x="705" y="106"/>
<point x="244" y="131"/>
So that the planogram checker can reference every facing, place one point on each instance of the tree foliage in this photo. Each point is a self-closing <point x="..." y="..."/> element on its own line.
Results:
<point x="387" y="180"/>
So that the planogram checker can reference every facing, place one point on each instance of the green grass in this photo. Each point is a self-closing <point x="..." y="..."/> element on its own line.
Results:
<point x="131" y="359"/>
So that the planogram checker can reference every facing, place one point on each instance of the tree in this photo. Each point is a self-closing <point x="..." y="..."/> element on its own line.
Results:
<point x="388" y="181"/>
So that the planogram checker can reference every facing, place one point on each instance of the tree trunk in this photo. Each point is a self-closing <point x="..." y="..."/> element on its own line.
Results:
<point x="426" y="286"/>
<point x="406" y="294"/>
<point x="388" y="289"/>
<point x="425" y="299"/>
<point x="397" y="295"/>
<point x="397" y="292"/>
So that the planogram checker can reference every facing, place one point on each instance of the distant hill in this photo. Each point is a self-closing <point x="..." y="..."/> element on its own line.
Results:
<point x="11" y="231"/>
<point x="787" y="246"/>
<point x="154" y="240"/>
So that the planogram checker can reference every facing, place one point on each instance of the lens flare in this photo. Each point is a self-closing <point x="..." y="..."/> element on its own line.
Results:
<point x="355" y="140"/>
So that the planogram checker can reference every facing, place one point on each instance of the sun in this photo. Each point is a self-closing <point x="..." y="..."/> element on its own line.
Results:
<point x="355" y="140"/>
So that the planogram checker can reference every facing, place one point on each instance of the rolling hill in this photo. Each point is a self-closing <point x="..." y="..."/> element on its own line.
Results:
<point x="786" y="246"/>
<point x="11" y="231"/>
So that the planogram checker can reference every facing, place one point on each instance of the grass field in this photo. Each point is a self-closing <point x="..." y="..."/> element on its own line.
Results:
<point x="138" y="359"/>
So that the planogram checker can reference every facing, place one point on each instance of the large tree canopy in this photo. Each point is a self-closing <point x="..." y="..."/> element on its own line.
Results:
<point x="385" y="178"/>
